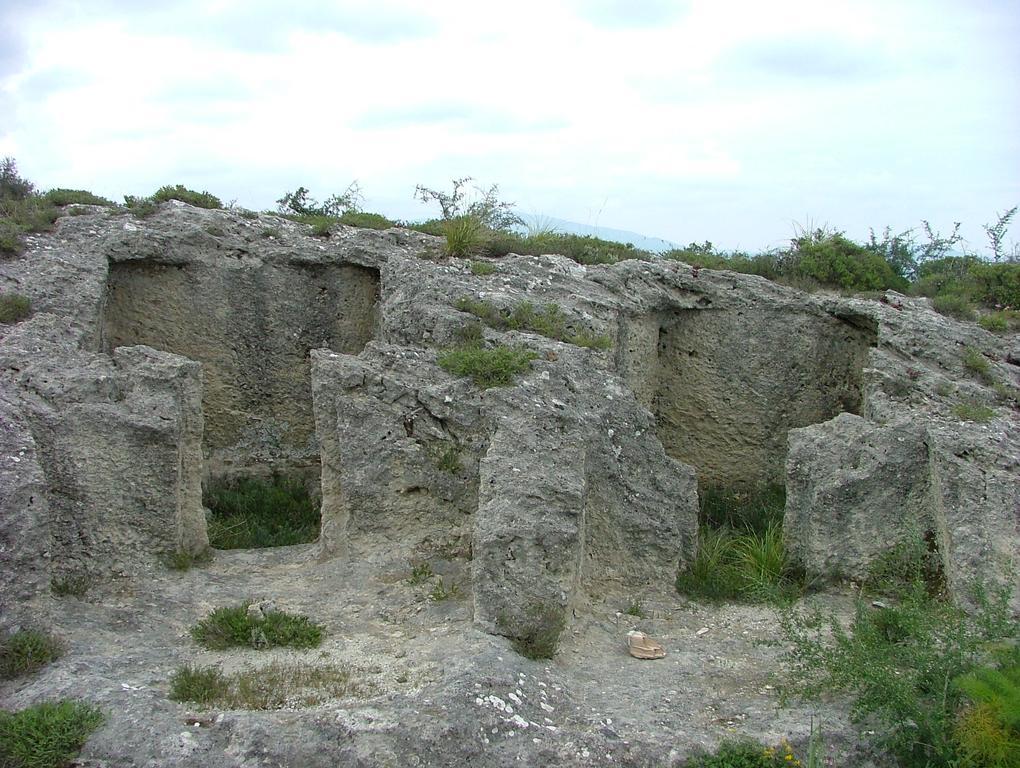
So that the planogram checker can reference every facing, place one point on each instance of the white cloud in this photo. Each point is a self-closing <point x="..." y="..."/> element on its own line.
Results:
<point x="711" y="119"/>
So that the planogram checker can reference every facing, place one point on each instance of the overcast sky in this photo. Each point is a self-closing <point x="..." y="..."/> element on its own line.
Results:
<point x="720" y="120"/>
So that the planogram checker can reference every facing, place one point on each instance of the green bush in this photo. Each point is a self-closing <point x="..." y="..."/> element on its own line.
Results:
<point x="897" y="662"/>
<point x="26" y="651"/>
<point x="366" y="220"/>
<point x="12" y="185"/>
<point x="833" y="260"/>
<point x="233" y="627"/>
<point x="141" y="207"/>
<point x="996" y="322"/>
<point x="75" y="197"/>
<point x="954" y="305"/>
<point x="202" y="686"/>
<point x="251" y="513"/>
<point x="487" y="367"/>
<point x="47" y="735"/>
<point x="185" y="195"/>
<point x="14" y="308"/>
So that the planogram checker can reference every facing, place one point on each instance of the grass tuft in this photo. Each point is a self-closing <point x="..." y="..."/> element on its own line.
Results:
<point x="465" y="236"/>
<point x="47" y="735"/>
<point x="14" y="308"/>
<point x="251" y="513"/>
<point x="278" y="685"/>
<point x="26" y="651"/>
<point x="541" y="634"/>
<point x="73" y="585"/>
<point x="971" y="411"/>
<point x="232" y="627"/>
<point x="741" y="554"/>
<point x="185" y="195"/>
<point x="487" y="367"/>
<point x="978" y="364"/>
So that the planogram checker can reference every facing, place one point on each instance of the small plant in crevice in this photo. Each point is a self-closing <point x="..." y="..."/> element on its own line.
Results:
<point x="420" y="573"/>
<point x="26" y="651"/>
<point x="538" y="635"/>
<point x="236" y="626"/>
<point x="185" y="561"/>
<point x="634" y="608"/>
<point x="486" y="366"/>
<point x="251" y="513"/>
<point x="741" y="554"/>
<point x="441" y="592"/>
<point x="449" y="460"/>
<point x="46" y="735"/>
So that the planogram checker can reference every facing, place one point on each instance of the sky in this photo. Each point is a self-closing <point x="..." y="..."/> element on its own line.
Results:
<point x="741" y="123"/>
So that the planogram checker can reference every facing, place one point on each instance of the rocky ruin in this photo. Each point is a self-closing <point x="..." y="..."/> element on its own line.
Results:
<point x="198" y="344"/>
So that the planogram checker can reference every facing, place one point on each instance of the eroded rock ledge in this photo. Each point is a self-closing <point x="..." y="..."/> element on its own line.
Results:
<point x="201" y="343"/>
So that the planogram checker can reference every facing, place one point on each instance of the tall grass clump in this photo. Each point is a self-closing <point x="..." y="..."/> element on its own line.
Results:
<point x="236" y="626"/>
<point x="14" y="308"/>
<point x="47" y="735"/>
<point x="741" y="554"/>
<point x="486" y="366"/>
<point x="249" y="513"/>
<point x="26" y="651"/>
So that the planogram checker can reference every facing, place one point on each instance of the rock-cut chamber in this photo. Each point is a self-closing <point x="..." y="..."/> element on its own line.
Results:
<point x="251" y="326"/>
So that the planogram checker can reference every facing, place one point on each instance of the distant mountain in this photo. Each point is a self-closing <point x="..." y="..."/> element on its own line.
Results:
<point x="655" y="244"/>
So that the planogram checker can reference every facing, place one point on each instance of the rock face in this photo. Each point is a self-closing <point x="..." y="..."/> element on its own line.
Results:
<point x="202" y="343"/>
<point x="196" y="344"/>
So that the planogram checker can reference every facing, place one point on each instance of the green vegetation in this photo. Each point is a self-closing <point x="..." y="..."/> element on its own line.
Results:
<point x="465" y="236"/>
<point x="743" y="753"/>
<point x="482" y="268"/>
<point x="548" y="321"/>
<point x="344" y="208"/>
<point x="75" y="197"/>
<point x="449" y="460"/>
<point x="26" y="651"/>
<point x="22" y="209"/>
<point x="185" y="561"/>
<point x="250" y="513"/>
<point x="634" y="608"/>
<point x="141" y="207"/>
<point x="234" y="627"/>
<point x="898" y="658"/>
<point x="72" y="585"/>
<point x="543" y="626"/>
<point x="987" y="731"/>
<point x="487" y="367"/>
<point x="978" y="364"/>
<point x="971" y="411"/>
<point x="999" y="322"/>
<point x="420" y="573"/>
<point x="440" y="591"/>
<point x="954" y="305"/>
<point x="14" y="308"/>
<point x="47" y="735"/>
<point x="275" y="686"/>
<point x="185" y="195"/>
<point x="741" y="555"/>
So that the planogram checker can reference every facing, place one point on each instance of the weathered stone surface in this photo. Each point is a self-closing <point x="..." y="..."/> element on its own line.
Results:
<point x="854" y="489"/>
<point x="195" y="343"/>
